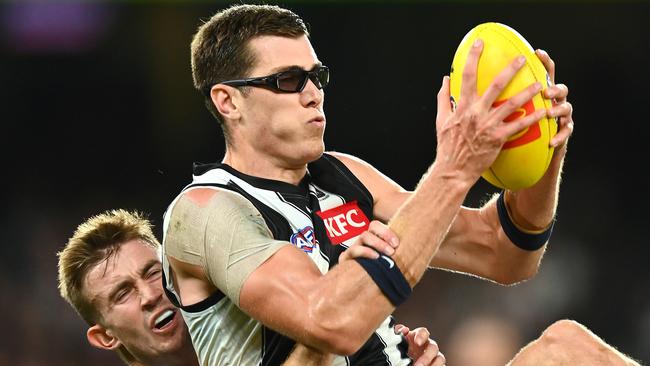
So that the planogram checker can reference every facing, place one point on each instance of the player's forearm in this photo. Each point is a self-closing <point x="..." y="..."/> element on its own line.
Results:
<point x="423" y="221"/>
<point x="530" y="210"/>
<point x="342" y="310"/>
<point x="307" y="356"/>
<point x="439" y="195"/>
<point x="534" y="208"/>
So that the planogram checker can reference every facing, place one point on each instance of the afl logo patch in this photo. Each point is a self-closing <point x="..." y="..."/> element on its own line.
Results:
<point x="304" y="239"/>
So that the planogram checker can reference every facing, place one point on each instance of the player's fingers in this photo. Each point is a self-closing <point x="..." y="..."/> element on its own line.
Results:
<point x="468" y="85"/>
<point x="378" y="238"/>
<point x="440" y="360"/>
<point x="565" y="131"/>
<point x="358" y="251"/>
<point x="429" y="355"/>
<point x="384" y="232"/>
<point x="421" y="336"/>
<point x="513" y="127"/>
<point x="373" y="241"/>
<point x="556" y="92"/>
<point x="562" y="110"/>
<point x="548" y="63"/>
<point x="514" y="103"/>
<point x="401" y="329"/>
<point x="502" y="80"/>
<point x="563" y="114"/>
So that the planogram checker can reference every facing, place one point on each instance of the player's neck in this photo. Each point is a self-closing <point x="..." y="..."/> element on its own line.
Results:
<point x="264" y="166"/>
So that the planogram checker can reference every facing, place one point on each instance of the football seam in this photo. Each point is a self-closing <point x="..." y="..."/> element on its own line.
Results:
<point x="494" y="174"/>
<point x="500" y="31"/>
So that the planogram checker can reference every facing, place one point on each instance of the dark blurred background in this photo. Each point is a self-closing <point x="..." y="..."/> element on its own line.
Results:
<point x="98" y="112"/>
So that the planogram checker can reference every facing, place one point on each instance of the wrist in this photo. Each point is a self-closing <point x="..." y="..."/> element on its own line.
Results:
<point x="530" y="240"/>
<point x="535" y="219"/>
<point x="453" y="179"/>
<point x="559" y="152"/>
<point x="388" y="277"/>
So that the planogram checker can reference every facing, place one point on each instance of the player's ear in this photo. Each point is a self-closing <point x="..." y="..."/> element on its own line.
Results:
<point x="226" y="99"/>
<point x="102" y="338"/>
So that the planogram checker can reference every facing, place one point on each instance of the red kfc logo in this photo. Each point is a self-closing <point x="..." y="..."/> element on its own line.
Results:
<point x="344" y="222"/>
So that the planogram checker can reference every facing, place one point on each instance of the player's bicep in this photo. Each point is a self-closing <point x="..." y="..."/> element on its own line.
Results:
<point x="277" y="292"/>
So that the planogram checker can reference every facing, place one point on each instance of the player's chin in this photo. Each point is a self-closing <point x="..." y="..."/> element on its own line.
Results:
<point x="171" y="341"/>
<point x="308" y="148"/>
<point x="315" y="150"/>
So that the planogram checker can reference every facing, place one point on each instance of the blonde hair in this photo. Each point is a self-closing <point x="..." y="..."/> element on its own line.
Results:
<point x="94" y="242"/>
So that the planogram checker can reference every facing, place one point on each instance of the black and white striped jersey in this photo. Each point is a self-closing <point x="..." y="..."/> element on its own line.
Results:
<point x="321" y="216"/>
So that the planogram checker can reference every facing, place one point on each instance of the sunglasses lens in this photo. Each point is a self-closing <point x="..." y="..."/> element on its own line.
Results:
<point x="295" y="80"/>
<point x="323" y="75"/>
<point x="292" y="80"/>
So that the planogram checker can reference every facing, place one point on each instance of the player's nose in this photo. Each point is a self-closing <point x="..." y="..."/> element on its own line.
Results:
<point x="311" y="95"/>
<point x="150" y="295"/>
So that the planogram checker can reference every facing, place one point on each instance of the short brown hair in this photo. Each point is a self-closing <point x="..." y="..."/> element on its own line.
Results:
<point x="220" y="49"/>
<point x="95" y="241"/>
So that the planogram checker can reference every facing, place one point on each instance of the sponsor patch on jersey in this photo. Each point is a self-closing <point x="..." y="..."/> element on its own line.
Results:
<point x="304" y="239"/>
<point x="344" y="222"/>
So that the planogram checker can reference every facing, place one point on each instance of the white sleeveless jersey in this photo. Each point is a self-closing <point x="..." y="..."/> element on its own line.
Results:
<point x="321" y="216"/>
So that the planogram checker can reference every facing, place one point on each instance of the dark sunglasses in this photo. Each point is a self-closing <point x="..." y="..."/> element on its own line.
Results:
<point x="290" y="81"/>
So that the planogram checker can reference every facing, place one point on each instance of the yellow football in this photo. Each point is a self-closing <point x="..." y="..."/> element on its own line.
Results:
<point x="524" y="158"/>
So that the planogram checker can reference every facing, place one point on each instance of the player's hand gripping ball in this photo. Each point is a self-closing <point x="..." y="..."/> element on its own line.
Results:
<point x="524" y="158"/>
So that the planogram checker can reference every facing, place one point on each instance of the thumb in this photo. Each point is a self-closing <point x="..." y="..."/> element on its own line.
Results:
<point x="444" y="103"/>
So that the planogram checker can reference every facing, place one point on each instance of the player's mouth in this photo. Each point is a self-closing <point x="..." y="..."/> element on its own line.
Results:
<point x="319" y="121"/>
<point x="165" y="321"/>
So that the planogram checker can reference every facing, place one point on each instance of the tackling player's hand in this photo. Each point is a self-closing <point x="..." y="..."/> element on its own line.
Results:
<point x="562" y="110"/>
<point x="422" y="349"/>
<point x="378" y="238"/>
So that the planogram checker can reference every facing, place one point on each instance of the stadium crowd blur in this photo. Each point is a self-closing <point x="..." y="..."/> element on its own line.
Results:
<point x="98" y="112"/>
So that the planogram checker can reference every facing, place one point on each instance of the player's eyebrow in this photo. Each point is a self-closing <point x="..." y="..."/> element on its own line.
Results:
<point x="128" y="282"/>
<point x="117" y="288"/>
<point x="151" y="263"/>
<point x="293" y="67"/>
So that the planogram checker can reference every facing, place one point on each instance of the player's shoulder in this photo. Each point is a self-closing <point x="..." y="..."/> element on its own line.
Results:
<point x="209" y="201"/>
<point x="359" y="167"/>
<point x="351" y="161"/>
